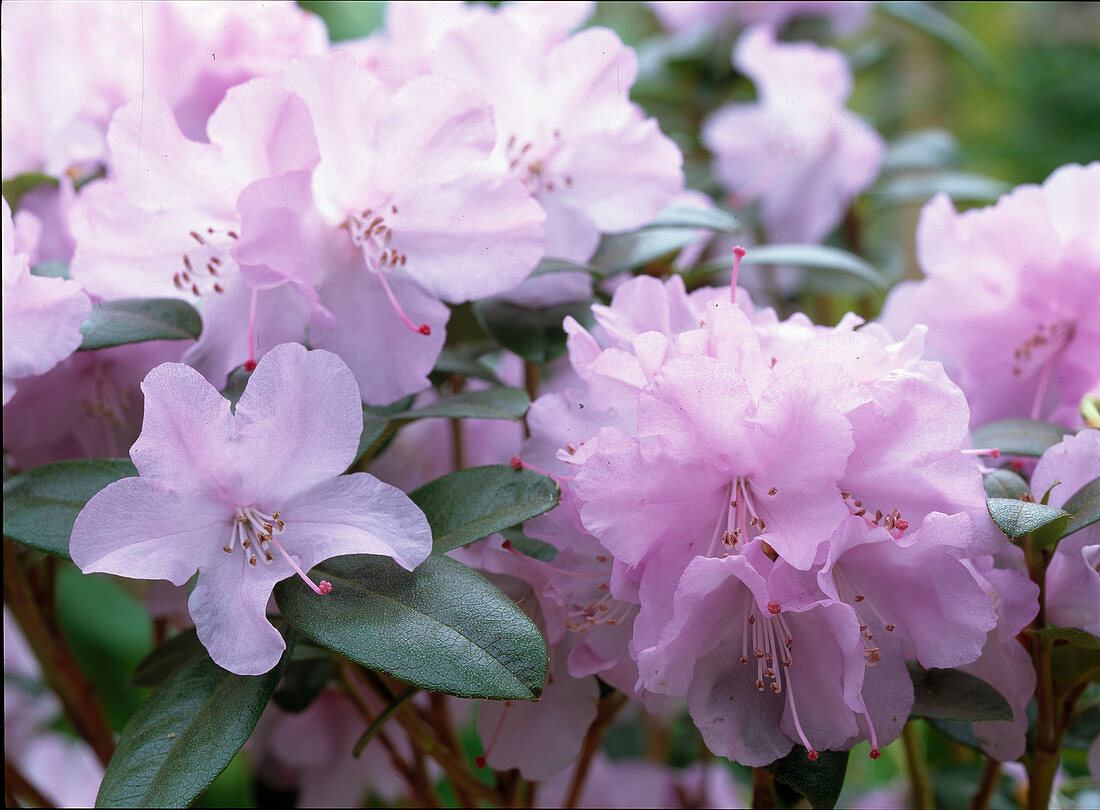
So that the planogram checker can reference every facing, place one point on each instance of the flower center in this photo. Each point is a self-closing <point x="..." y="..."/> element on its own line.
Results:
<point x="740" y="522"/>
<point x="892" y="520"/>
<point x="370" y="233"/>
<point x="866" y="613"/>
<point x="204" y="266"/>
<point x="255" y="532"/>
<point x="105" y="395"/>
<point x="529" y="164"/>
<point x="1040" y="352"/>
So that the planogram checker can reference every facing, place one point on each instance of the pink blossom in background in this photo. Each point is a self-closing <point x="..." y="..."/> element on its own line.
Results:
<point x="403" y="48"/>
<point x="220" y="492"/>
<point x="1011" y="297"/>
<point x="567" y="129"/>
<point x="62" y="768"/>
<point x="685" y="16"/>
<point x="1073" y="577"/>
<point x="41" y="316"/>
<point x="69" y="66"/>
<point x="88" y="406"/>
<point x="165" y="221"/>
<point x="796" y="150"/>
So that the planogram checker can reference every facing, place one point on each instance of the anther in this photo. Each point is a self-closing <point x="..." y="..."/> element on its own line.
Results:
<point x="773" y="491"/>
<point x="774" y="608"/>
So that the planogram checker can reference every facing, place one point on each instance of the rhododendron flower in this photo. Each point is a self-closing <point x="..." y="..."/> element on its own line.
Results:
<point x="165" y="221"/>
<point x="69" y="66"/>
<point x="567" y="128"/>
<point x="1073" y="577"/>
<point x="797" y="149"/>
<point x="41" y="316"/>
<point x="1011" y="297"/>
<point x="246" y="498"/>
<point x="403" y="49"/>
<point x="87" y="406"/>
<point x="682" y="16"/>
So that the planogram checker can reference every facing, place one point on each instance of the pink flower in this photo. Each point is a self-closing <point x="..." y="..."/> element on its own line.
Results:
<point x="1073" y="577"/>
<point x="69" y="66"/>
<point x="165" y="221"/>
<point x="797" y="149"/>
<point x="41" y="316"/>
<point x="684" y="16"/>
<point x="246" y="498"/>
<point x="87" y="406"/>
<point x="567" y="128"/>
<point x="1011" y="297"/>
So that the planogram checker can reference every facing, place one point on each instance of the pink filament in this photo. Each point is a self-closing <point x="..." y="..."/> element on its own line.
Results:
<point x="423" y="329"/>
<point x="320" y="590"/>
<point x="738" y="254"/>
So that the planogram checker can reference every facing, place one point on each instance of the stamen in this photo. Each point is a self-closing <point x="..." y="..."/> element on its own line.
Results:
<point x="423" y="329"/>
<point x="517" y="463"/>
<point x="250" y="364"/>
<point x="323" y="588"/>
<point x="994" y="452"/>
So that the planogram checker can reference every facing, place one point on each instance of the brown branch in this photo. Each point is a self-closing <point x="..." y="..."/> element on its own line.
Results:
<point x="605" y="713"/>
<point x="59" y="666"/>
<point x="15" y="784"/>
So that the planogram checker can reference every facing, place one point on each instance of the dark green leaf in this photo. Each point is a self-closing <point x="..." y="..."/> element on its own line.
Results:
<point x="945" y="30"/>
<point x="1019" y="437"/>
<point x="377" y="428"/>
<point x="533" y="334"/>
<point x="1083" y="506"/>
<point x="1018" y="518"/>
<point x="712" y="219"/>
<point x="917" y="189"/>
<point x="1072" y="665"/>
<point x="951" y="694"/>
<point x="1085" y="729"/>
<point x="14" y="188"/>
<point x="957" y="731"/>
<point x="441" y="627"/>
<point x="819" y="781"/>
<point x="174" y="654"/>
<point x="498" y="402"/>
<point x="629" y="251"/>
<point x="450" y="362"/>
<point x="1078" y="638"/>
<point x="184" y="735"/>
<point x="55" y="269"/>
<point x="41" y="504"/>
<point x="1004" y="484"/>
<point x="302" y="682"/>
<point x="471" y="504"/>
<point x="134" y="320"/>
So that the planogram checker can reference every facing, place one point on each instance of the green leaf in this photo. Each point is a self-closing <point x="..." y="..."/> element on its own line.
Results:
<point x="1004" y="484"/>
<point x="629" y="251"/>
<point x="441" y="627"/>
<point x="235" y="384"/>
<point x="1072" y="665"/>
<point x="302" y="683"/>
<point x="945" y="30"/>
<point x="184" y="735"/>
<point x="951" y="694"/>
<point x="1019" y="437"/>
<point x="917" y="189"/>
<point x="14" y="188"/>
<point x="54" y="269"/>
<point x="1018" y="518"/>
<point x="471" y="504"/>
<point x="174" y="654"/>
<point x="535" y="334"/>
<point x="1078" y="638"/>
<point x="1084" y="730"/>
<point x="819" y="781"/>
<point x="347" y="19"/>
<point x="922" y="149"/>
<point x="498" y="402"/>
<point x="41" y="504"/>
<point x="134" y="320"/>
<point x="683" y="216"/>
<point x="450" y="362"/>
<point x="529" y="546"/>
<point x="1083" y="506"/>
<point x="813" y="257"/>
